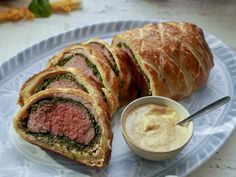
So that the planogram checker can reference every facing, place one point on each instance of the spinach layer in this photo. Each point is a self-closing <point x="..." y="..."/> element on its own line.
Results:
<point x="51" y="139"/>
<point x="114" y="66"/>
<point x="49" y="80"/>
<point x="89" y="64"/>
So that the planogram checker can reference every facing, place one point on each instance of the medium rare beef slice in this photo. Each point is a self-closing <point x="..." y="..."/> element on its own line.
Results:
<point x="63" y="83"/>
<point x="106" y="53"/>
<point x="63" y="119"/>
<point x="78" y="61"/>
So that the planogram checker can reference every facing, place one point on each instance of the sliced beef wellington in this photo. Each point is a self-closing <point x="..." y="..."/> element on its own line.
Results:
<point x="119" y="62"/>
<point x="93" y="64"/>
<point x="60" y="77"/>
<point x="128" y="84"/>
<point x="103" y="47"/>
<point x="173" y="57"/>
<point x="69" y="122"/>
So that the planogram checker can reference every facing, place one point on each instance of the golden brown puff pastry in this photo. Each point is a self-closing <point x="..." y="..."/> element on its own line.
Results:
<point x="128" y="86"/>
<point x="59" y="77"/>
<point x="103" y="47"/>
<point x="119" y="62"/>
<point x="37" y="122"/>
<point x="173" y="57"/>
<point x="93" y="65"/>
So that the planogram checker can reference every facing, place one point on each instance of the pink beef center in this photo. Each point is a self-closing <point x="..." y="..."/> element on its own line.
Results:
<point x="63" y="119"/>
<point x="79" y="62"/>
<point x="63" y="83"/>
<point x="104" y="51"/>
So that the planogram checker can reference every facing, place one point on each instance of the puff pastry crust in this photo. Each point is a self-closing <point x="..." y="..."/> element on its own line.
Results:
<point x="120" y="61"/>
<point x="29" y="87"/>
<point x="109" y="83"/>
<point x="97" y="155"/>
<point x="173" y="56"/>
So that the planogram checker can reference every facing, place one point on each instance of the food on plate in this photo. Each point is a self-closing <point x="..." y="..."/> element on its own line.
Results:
<point x="61" y="77"/>
<point x="69" y="122"/>
<point x="66" y="107"/>
<point x="153" y="127"/>
<point x="94" y="65"/>
<point x="119" y="62"/>
<point x="172" y="58"/>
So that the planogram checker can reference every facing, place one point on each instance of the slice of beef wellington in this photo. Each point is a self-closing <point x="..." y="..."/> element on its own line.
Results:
<point x="60" y="77"/>
<point x="173" y="57"/>
<point x="119" y="62"/>
<point x="69" y="122"/>
<point x="93" y="64"/>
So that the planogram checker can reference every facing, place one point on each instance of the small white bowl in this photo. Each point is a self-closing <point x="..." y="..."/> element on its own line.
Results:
<point x="151" y="155"/>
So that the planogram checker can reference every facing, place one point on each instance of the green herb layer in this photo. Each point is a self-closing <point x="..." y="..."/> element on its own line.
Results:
<point x="49" y="80"/>
<point x="114" y="66"/>
<point x="51" y="139"/>
<point x="89" y="64"/>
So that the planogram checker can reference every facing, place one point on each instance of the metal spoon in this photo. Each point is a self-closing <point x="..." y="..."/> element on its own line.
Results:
<point x="206" y="109"/>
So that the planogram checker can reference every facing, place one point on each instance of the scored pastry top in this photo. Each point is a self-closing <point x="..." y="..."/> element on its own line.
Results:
<point x="173" y="56"/>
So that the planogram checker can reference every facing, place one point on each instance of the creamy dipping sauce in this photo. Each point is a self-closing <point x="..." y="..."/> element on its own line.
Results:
<point x="153" y="127"/>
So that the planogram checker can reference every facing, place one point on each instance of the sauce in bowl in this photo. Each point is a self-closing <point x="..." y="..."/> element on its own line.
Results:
<point x="153" y="127"/>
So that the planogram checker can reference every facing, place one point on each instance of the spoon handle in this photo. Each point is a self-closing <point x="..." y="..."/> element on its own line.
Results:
<point x="206" y="109"/>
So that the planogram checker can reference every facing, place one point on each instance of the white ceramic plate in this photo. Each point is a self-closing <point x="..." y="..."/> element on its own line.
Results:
<point x="19" y="158"/>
